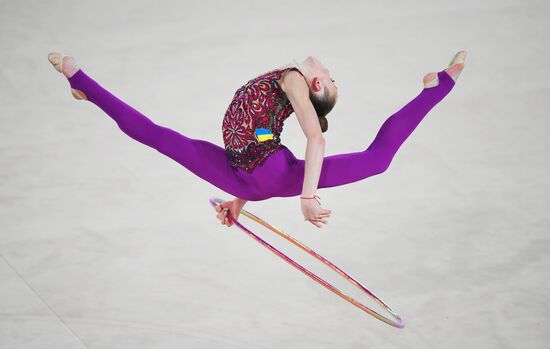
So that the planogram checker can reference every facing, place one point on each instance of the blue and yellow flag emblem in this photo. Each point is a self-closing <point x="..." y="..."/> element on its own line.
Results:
<point x="263" y="134"/>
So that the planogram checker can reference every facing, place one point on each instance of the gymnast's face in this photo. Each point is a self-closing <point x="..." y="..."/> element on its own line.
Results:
<point x="322" y="81"/>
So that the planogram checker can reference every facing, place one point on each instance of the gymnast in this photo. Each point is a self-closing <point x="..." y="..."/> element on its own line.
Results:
<point x="254" y="165"/>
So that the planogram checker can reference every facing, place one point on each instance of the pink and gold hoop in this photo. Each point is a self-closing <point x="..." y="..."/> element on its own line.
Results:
<point x="398" y="322"/>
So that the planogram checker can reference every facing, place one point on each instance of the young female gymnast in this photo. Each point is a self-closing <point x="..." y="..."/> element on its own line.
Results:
<point x="254" y="164"/>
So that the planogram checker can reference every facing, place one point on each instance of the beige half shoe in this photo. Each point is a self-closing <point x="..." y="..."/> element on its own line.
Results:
<point x="454" y="69"/>
<point x="56" y="59"/>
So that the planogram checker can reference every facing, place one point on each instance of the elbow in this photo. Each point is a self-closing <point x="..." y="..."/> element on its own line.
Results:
<point x="320" y="140"/>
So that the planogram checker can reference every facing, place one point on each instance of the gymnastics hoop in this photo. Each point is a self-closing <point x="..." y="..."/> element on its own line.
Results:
<point x="398" y="322"/>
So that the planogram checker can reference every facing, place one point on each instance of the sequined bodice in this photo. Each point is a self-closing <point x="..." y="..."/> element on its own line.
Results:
<point x="253" y="122"/>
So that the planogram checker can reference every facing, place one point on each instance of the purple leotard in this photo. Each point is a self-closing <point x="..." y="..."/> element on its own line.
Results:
<point x="281" y="174"/>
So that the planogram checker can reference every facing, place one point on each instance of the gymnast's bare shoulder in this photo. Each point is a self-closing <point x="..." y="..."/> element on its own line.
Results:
<point x="296" y="89"/>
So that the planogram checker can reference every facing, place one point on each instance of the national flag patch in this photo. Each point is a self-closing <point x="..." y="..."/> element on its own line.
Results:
<point x="263" y="134"/>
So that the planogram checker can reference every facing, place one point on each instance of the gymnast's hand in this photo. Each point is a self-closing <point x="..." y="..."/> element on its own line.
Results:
<point x="232" y="208"/>
<point x="313" y="212"/>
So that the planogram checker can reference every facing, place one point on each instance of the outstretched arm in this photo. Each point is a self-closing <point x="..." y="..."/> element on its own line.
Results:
<point x="298" y="93"/>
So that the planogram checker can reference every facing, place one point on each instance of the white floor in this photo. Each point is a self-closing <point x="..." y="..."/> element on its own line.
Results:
<point x="105" y="243"/>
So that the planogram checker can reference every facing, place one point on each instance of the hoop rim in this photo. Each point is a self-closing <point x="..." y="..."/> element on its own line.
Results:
<point x="398" y="322"/>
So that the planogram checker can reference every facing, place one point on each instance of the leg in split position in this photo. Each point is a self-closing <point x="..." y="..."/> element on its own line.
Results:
<point x="203" y="158"/>
<point x="352" y="167"/>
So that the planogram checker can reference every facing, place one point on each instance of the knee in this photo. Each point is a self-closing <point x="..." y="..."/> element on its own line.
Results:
<point x="384" y="168"/>
<point x="383" y="161"/>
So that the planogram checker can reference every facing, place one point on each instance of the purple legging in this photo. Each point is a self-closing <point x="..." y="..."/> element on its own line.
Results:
<point x="282" y="174"/>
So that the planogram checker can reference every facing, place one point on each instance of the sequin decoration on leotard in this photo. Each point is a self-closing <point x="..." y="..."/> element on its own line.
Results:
<point x="253" y="122"/>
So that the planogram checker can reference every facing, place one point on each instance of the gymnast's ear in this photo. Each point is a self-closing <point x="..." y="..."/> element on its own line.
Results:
<point x="315" y="84"/>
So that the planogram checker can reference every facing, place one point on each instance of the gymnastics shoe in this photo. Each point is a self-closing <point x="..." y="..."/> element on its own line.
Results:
<point x="70" y="68"/>
<point x="454" y="69"/>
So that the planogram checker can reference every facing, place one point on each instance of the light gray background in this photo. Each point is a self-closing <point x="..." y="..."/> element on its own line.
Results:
<point x="106" y="243"/>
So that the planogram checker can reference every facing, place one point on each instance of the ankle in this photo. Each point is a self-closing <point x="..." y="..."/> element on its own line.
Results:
<point x="430" y="80"/>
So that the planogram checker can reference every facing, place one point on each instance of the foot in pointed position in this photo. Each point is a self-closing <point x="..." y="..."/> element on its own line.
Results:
<point x="67" y="66"/>
<point x="454" y="69"/>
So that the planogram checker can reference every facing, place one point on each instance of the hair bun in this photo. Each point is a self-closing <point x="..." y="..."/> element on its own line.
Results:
<point x="323" y="122"/>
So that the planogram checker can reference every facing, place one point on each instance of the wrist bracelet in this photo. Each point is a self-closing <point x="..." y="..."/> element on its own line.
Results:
<point x="313" y="197"/>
